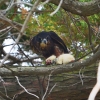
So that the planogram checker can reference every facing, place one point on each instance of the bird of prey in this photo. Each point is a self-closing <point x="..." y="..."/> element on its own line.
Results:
<point x="47" y="44"/>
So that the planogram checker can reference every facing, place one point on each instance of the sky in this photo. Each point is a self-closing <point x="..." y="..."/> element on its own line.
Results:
<point x="15" y="51"/>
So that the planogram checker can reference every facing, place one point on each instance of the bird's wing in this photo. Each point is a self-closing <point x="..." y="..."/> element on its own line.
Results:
<point x="57" y="40"/>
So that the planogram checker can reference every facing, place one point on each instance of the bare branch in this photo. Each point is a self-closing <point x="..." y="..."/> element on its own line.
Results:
<point x="25" y="88"/>
<point x="90" y="33"/>
<point x="6" y="94"/>
<point x="43" y="98"/>
<point x="5" y="29"/>
<point x="52" y="88"/>
<point x="61" y="1"/>
<point x="12" y="3"/>
<point x="47" y="1"/>
<point x="81" y="76"/>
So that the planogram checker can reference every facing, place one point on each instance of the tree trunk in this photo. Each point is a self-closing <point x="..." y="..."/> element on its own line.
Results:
<point x="69" y="86"/>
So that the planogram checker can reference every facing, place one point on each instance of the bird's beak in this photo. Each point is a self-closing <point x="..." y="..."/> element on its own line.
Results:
<point x="44" y="41"/>
<point x="43" y="44"/>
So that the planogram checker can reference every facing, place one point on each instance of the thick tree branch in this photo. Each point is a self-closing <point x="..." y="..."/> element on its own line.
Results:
<point x="79" y="8"/>
<point x="46" y="70"/>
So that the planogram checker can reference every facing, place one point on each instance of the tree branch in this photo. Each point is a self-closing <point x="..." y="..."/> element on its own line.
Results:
<point x="47" y="70"/>
<point x="79" y="8"/>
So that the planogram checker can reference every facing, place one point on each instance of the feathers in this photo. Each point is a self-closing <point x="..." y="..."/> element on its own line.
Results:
<point x="47" y="44"/>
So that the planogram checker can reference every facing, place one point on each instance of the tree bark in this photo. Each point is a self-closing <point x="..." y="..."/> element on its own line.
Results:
<point x="79" y="8"/>
<point x="71" y="85"/>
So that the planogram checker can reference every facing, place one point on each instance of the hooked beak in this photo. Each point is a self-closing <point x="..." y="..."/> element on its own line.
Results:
<point x="43" y="44"/>
<point x="44" y="41"/>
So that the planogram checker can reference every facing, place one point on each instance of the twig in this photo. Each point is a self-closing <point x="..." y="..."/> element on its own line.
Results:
<point x="16" y="3"/>
<point x="10" y="4"/>
<point x="23" y="52"/>
<point x="43" y="98"/>
<point x="36" y="20"/>
<point x="5" y="32"/>
<point x="44" y="2"/>
<point x="90" y="33"/>
<point x="74" y="22"/>
<point x="96" y="88"/>
<point x="5" y="29"/>
<point x="61" y="1"/>
<point x="4" y="96"/>
<point x="6" y="91"/>
<point x="52" y="88"/>
<point x="98" y="33"/>
<point x="47" y="88"/>
<point x="81" y="75"/>
<point x="3" y="82"/>
<point x="25" y="88"/>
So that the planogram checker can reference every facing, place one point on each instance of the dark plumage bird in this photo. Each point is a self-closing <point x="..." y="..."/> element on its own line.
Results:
<point x="47" y="44"/>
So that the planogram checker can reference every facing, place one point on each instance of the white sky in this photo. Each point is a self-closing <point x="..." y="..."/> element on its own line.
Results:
<point x="14" y="50"/>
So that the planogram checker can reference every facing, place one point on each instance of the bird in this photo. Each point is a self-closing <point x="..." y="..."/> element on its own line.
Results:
<point x="47" y="44"/>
